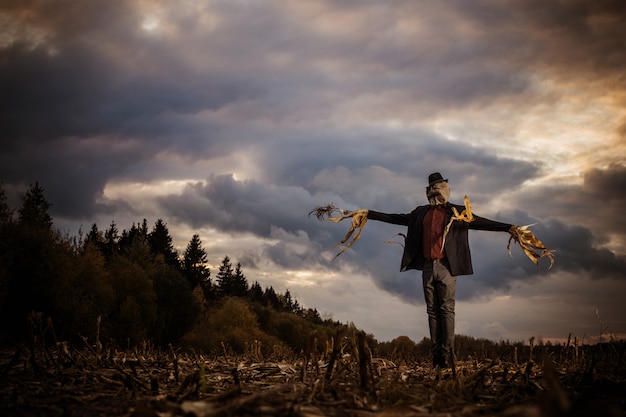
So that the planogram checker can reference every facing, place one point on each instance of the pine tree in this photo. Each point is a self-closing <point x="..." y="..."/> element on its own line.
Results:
<point x="272" y="298"/>
<point x="288" y="302"/>
<point x="312" y="315"/>
<point x="34" y="210"/>
<point x="144" y="228"/>
<point x="296" y="308"/>
<point x="161" y="244"/>
<point x="255" y="293"/>
<point x="195" y="268"/>
<point x="94" y="237"/>
<point x="136" y="234"/>
<point x="224" y="278"/>
<point x="111" y="241"/>
<point x="240" y="283"/>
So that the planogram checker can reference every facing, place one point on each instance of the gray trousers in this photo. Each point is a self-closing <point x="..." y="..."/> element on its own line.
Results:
<point x="439" y="294"/>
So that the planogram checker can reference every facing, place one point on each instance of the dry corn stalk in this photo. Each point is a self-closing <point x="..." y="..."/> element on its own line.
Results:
<point x="465" y="216"/>
<point x="532" y="247"/>
<point x="398" y="243"/>
<point x="359" y="218"/>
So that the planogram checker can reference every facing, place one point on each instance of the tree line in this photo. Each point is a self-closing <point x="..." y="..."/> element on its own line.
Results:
<point x="132" y="285"/>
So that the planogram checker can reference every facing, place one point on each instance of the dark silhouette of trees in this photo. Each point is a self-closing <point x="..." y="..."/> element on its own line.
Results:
<point x="177" y="308"/>
<point x="30" y="261"/>
<point x="236" y="324"/>
<point x="255" y="293"/>
<point x="94" y="237"/>
<point x="161" y="244"/>
<point x="231" y="283"/>
<point x="239" y="282"/>
<point x="194" y="265"/>
<point x="224" y="277"/>
<point x="135" y="301"/>
<point x="34" y="210"/>
<point x="289" y="304"/>
<point x="312" y="315"/>
<point x="136" y="233"/>
<point x="110" y="245"/>
<point x="88" y="295"/>
<point x="271" y="298"/>
<point x="131" y="285"/>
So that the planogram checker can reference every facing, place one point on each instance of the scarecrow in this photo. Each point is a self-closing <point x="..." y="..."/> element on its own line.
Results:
<point x="437" y="243"/>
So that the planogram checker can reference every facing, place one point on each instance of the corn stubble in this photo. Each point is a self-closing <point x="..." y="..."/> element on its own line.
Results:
<point x="344" y="379"/>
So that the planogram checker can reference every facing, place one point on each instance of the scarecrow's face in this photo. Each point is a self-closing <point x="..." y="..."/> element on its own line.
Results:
<point x="438" y="193"/>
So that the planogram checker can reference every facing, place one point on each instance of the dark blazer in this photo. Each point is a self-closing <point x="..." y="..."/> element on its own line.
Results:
<point x="456" y="244"/>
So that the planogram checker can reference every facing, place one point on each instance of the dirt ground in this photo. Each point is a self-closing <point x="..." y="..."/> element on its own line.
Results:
<point x="63" y="381"/>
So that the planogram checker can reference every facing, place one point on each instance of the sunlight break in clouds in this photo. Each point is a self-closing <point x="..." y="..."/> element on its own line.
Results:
<point x="141" y="194"/>
<point x="150" y="24"/>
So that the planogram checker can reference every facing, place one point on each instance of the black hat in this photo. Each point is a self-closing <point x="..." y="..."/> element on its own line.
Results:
<point x="434" y="178"/>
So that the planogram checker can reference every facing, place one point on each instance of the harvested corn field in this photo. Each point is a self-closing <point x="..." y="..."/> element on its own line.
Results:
<point x="65" y="381"/>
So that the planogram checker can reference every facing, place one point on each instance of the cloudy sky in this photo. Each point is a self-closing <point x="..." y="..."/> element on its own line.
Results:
<point x="233" y="118"/>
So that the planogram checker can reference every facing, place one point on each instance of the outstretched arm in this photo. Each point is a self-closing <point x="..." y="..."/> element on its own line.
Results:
<point x="481" y="223"/>
<point x="532" y="247"/>
<point x="401" y="219"/>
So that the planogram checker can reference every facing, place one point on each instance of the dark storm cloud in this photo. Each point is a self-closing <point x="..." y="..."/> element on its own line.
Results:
<point x="64" y="19"/>
<point x="607" y="184"/>
<point x="583" y="36"/>
<point x="329" y="161"/>
<point x="68" y="92"/>
<point x="598" y="204"/>
<point x="80" y="93"/>
<point x="240" y="206"/>
<point x="100" y="91"/>
<point x="588" y="35"/>
<point x="576" y="249"/>
<point x="73" y="188"/>
<point x="249" y="207"/>
<point x="122" y="93"/>
<point x="367" y="178"/>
